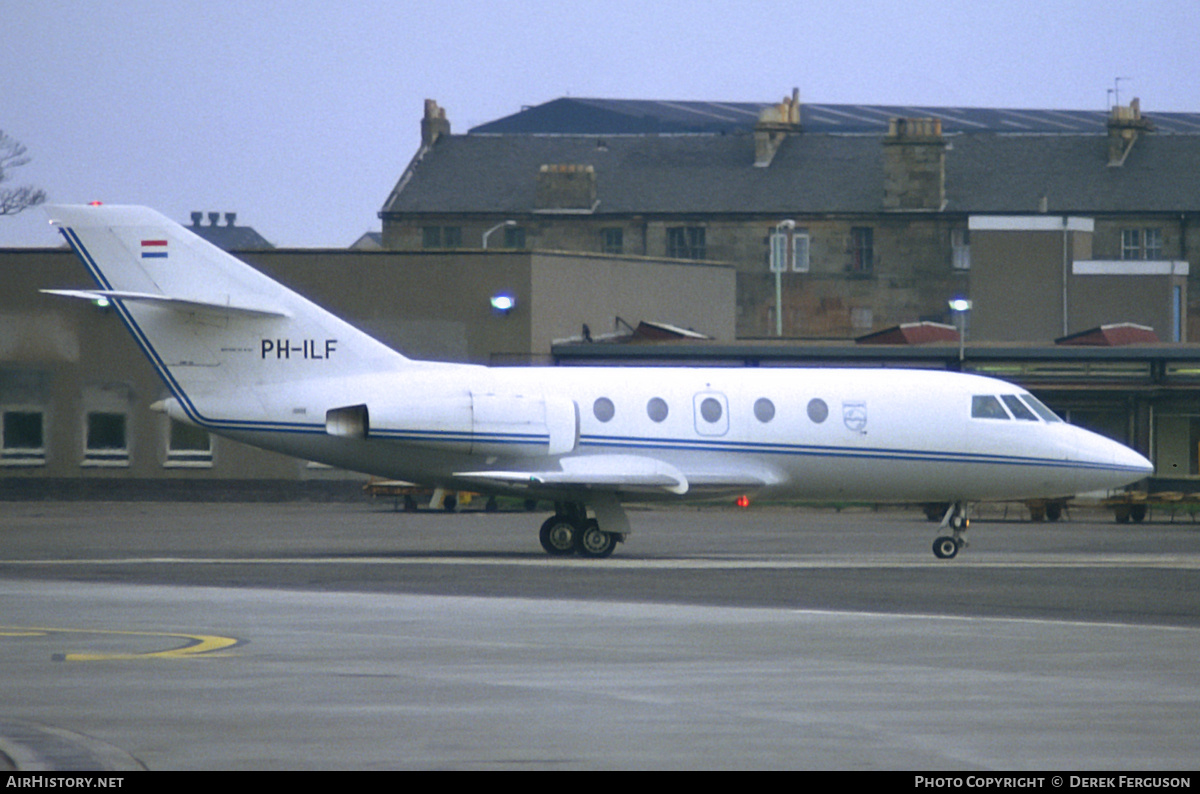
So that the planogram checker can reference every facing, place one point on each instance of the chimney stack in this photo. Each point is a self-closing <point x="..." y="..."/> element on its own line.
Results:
<point x="565" y="187"/>
<point x="213" y="217"/>
<point x="434" y="124"/>
<point x="1125" y="124"/>
<point x="230" y="218"/>
<point x="914" y="165"/>
<point x="196" y="218"/>
<point x="774" y="124"/>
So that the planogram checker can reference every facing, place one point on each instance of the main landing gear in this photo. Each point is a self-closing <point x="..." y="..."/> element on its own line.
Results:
<point x="946" y="546"/>
<point x="570" y="531"/>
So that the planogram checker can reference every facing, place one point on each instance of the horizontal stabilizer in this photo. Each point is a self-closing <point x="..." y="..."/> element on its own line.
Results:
<point x="619" y="472"/>
<point x="169" y="302"/>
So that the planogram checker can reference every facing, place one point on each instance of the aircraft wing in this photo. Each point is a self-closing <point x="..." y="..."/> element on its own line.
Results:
<point x="618" y="473"/>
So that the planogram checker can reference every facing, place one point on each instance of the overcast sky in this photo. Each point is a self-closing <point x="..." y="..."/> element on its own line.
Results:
<point x="301" y="116"/>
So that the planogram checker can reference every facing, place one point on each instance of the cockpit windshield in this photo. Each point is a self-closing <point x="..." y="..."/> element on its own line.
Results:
<point x="1040" y="409"/>
<point x="1017" y="408"/>
<point x="986" y="406"/>
<point x="1024" y="407"/>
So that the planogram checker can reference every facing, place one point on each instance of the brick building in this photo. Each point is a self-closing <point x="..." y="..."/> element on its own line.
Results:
<point x="872" y="207"/>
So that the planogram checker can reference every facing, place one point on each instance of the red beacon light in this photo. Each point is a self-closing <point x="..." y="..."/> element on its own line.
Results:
<point x="743" y="501"/>
<point x="95" y="203"/>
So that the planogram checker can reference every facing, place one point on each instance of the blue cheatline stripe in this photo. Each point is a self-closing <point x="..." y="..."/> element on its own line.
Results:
<point x="154" y="255"/>
<point x="254" y="426"/>
<point x="859" y="453"/>
<point x="595" y="441"/>
<point x="159" y="366"/>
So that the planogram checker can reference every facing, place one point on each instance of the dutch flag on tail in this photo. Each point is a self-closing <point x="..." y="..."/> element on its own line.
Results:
<point x="154" y="249"/>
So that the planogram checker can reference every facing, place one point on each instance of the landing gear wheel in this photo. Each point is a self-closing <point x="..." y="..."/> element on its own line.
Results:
<point x="558" y="536"/>
<point x="595" y="542"/>
<point x="945" y="547"/>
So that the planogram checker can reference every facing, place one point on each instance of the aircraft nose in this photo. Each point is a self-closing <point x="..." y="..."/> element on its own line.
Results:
<point x="1134" y="461"/>
<point x="1122" y="461"/>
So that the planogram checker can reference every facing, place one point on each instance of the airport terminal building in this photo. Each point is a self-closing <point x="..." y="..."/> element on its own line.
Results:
<point x="756" y="234"/>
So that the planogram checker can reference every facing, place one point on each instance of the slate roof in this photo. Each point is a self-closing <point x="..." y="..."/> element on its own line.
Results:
<point x="231" y="238"/>
<point x="575" y="116"/>
<point x="811" y="173"/>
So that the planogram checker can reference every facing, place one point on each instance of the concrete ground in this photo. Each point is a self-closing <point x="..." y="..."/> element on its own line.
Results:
<point x="167" y="636"/>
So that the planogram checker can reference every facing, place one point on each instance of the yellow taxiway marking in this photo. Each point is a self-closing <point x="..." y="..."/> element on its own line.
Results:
<point x="194" y="644"/>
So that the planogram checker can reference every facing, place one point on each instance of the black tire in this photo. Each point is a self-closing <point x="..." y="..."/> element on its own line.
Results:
<point x="594" y="542"/>
<point x="945" y="547"/>
<point x="558" y="535"/>
<point x="1138" y="513"/>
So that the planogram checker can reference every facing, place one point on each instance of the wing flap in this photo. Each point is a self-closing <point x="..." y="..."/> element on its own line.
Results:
<point x="607" y="472"/>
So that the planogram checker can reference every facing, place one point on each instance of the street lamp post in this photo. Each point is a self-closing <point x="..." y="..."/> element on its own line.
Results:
<point x="494" y="228"/>
<point x="779" y="262"/>
<point x="960" y="307"/>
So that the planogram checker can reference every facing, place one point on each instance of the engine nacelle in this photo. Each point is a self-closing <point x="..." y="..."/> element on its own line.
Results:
<point x="478" y="423"/>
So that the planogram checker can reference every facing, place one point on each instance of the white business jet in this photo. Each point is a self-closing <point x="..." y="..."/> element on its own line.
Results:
<point x="247" y="358"/>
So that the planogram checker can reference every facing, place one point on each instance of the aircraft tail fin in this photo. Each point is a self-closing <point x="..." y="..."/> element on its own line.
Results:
<point x="207" y="320"/>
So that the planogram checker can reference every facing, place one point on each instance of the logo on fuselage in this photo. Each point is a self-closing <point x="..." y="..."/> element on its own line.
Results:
<point x="855" y="416"/>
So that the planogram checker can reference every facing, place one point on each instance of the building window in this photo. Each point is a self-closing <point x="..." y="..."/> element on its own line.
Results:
<point x="783" y="259"/>
<point x="23" y="438"/>
<point x="862" y="249"/>
<point x="1152" y="243"/>
<point x="1131" y="243"/>
<point x="1141" y="243"/>
<point x="514" y="237"/>
<point x="862" y="318"/>
<point x="188" y="446"/>
<point x="441" y="237"/>
<point x="106" y="440"/>
<point x="800" y="246"/>
<point x="612" y="241"/>
<point x="686" y="242"/>
<point x="960" y="249"/>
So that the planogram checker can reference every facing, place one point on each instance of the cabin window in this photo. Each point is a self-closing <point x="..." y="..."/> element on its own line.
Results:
<point x="764" y="410"/>
<point x="818" y="411"/>
<point x="657" y="409"/>
<point x="1017" y="408"/>
<point x="986" y="406"/>
<point x="710" y="409"/>
<point x="604" y="409"/>
<point x="1040" y="409"/>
